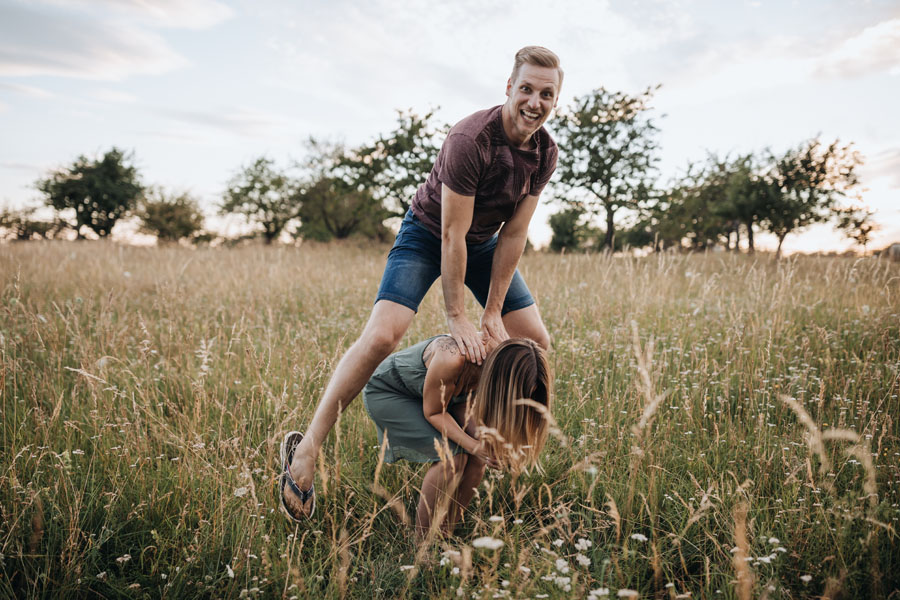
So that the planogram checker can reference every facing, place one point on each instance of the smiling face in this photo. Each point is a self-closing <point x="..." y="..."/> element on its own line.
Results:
<point x="530" y="98"/>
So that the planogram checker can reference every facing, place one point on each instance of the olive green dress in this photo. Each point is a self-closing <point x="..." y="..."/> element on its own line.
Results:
<point x="393" y="398"/>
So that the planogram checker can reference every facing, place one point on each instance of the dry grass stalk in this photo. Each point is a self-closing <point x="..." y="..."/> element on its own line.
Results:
<point x="651" y="405"/>
<point x="742" y="569"/>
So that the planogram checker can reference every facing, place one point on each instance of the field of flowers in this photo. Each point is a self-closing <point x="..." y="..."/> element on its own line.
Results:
<point x="727" y="428"/>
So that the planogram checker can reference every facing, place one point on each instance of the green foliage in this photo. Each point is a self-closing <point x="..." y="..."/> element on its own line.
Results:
<point x="856" y="223"/>
<point x="568" y="230"/>
<point x="100" y="191"/>
<point x="170" y="217"/>
<point x="20" y="226"/>
<point x="264" y="195"/>
<point x="609" y="152"/>
<point x="807" y="182"/>
<point x="393" y="166"/>
<point x="330" y="209"/>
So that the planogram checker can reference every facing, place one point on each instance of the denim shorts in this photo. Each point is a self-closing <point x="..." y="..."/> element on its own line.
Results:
<point x="415" y="262"/>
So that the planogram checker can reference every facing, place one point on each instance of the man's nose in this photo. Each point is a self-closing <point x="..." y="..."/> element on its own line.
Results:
<point x="534" y="101"/>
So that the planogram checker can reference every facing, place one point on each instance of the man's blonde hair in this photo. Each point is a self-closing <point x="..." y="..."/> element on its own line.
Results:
<point x="539" y="57"/>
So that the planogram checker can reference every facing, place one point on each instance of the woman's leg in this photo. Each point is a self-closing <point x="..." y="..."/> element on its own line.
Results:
<point x="438" y="492"/>
<point x="472" y="475"/>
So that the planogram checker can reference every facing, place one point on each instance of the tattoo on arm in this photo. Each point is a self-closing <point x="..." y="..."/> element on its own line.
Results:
<point x="444" y="343"/>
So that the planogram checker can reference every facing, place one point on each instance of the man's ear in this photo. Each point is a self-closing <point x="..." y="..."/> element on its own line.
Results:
<point x="508" y="86"/>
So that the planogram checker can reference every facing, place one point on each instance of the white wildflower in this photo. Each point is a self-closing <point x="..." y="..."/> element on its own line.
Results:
<point x="230" y="571"/>
<point x="582" y="560"/>
<point x="488" y="543"/>
<point x="806" y="578"/>
<point x="518" y="521"/>
<point x="598" y="593"/>
<point x="123" y="559"/>
<point x="583" y="544"/>
<point x="626" y="593"/>
<point x="639" y="537"/>
<point x="241" y="492"/>
<point x="774" y="540"/>
<point x="525" y="569"/>
<point x="562" y="566"/>
<point x="495" y="519"/>
<point x="101" y="576"/>
<point x="407" y="567"/>
<point x="557" y="542"/>
<point x="563" y="583"/>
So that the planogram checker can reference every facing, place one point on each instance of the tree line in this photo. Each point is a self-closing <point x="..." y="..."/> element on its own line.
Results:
<point x="607" y="173"/>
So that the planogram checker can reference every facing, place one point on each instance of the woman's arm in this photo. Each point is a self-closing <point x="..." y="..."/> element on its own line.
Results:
<point x="444" y="370"/>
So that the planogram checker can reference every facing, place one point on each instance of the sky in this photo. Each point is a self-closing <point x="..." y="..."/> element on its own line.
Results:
<point x="198" y="88"/>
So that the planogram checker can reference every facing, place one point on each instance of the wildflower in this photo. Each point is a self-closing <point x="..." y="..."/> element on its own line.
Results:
<point x="495" y="519"/>
<point x="123" y="559"/>
<point x="806" y="578"/>
<point x="598" y="593"/>
<point x="557" y="542"/>
<point x="774" y="540"/>
<point x="582" y="560"/>
<point x="230" y="571"/>
<point x="563" y="583"/>
<point x="639" y="537"/>
<point x="626" y="593"/>
<point x="407" y="567"/>
<point x="488" y="543"/>
<point x="518" y="521"/>
<point x="241" y="492"/>
<point x="525" y="569"/>
<point x="562" y="566"/>
<point x="583" y="544"/>
<point x="101" y="576"/>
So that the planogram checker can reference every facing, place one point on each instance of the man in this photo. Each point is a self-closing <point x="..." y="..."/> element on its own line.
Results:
<point x="487" y="177"/>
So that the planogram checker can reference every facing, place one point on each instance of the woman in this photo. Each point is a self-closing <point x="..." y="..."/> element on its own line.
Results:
<point x="422" y="401"/>
<point x="434" y="406"/>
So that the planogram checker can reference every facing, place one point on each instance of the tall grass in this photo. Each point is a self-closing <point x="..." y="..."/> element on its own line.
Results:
<point x="728" y="429"/>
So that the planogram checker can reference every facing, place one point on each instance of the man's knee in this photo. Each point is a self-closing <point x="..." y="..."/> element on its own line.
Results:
<point x="381" y="339"/>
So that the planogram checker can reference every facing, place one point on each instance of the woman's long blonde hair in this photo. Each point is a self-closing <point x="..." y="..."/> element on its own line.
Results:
<point x="513" y="402"/>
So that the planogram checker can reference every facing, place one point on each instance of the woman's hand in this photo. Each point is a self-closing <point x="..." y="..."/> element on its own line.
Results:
<point x="485" y="453"/>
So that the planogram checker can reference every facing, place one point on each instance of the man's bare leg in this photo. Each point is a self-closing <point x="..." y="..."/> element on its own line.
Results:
<point x="384" y="330"/>
<point x="527" y="323"/>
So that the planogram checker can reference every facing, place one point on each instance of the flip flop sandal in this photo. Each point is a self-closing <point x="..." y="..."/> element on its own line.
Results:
<point x="288" y="445"/>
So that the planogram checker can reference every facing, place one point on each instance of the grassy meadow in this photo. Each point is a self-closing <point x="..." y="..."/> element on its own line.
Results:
<point x="728" y="428"/>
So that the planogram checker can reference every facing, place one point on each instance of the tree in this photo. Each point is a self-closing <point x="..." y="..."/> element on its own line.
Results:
<point x="265" y="196"/>
<point x="393" y="166"/>
<point x="331" y="209"/>
<point x="748" y="195"/>
<point x="857" y="224"/>
<point x="100" y="191"/>
<point x="610" y="152"/>
<point x="568" y="231"/>
<point x="20" y="226"/>
<point x="170" y="217"/>
<point x="806" y="183"/>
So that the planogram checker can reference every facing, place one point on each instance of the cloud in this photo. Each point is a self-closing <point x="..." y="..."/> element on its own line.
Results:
<point x="873" y="50"/>
<point x="242" y="122"/>
<point x="187" y="14"/>
<point x="25" y="90"/>
<point x="885" y="164"/>
<point x="113" y="96"/>
<point x="34" y="42"/>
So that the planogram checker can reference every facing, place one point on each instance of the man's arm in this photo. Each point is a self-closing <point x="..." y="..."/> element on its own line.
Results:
<point x="456" y="219"/>
<point x="510" y="245"/>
